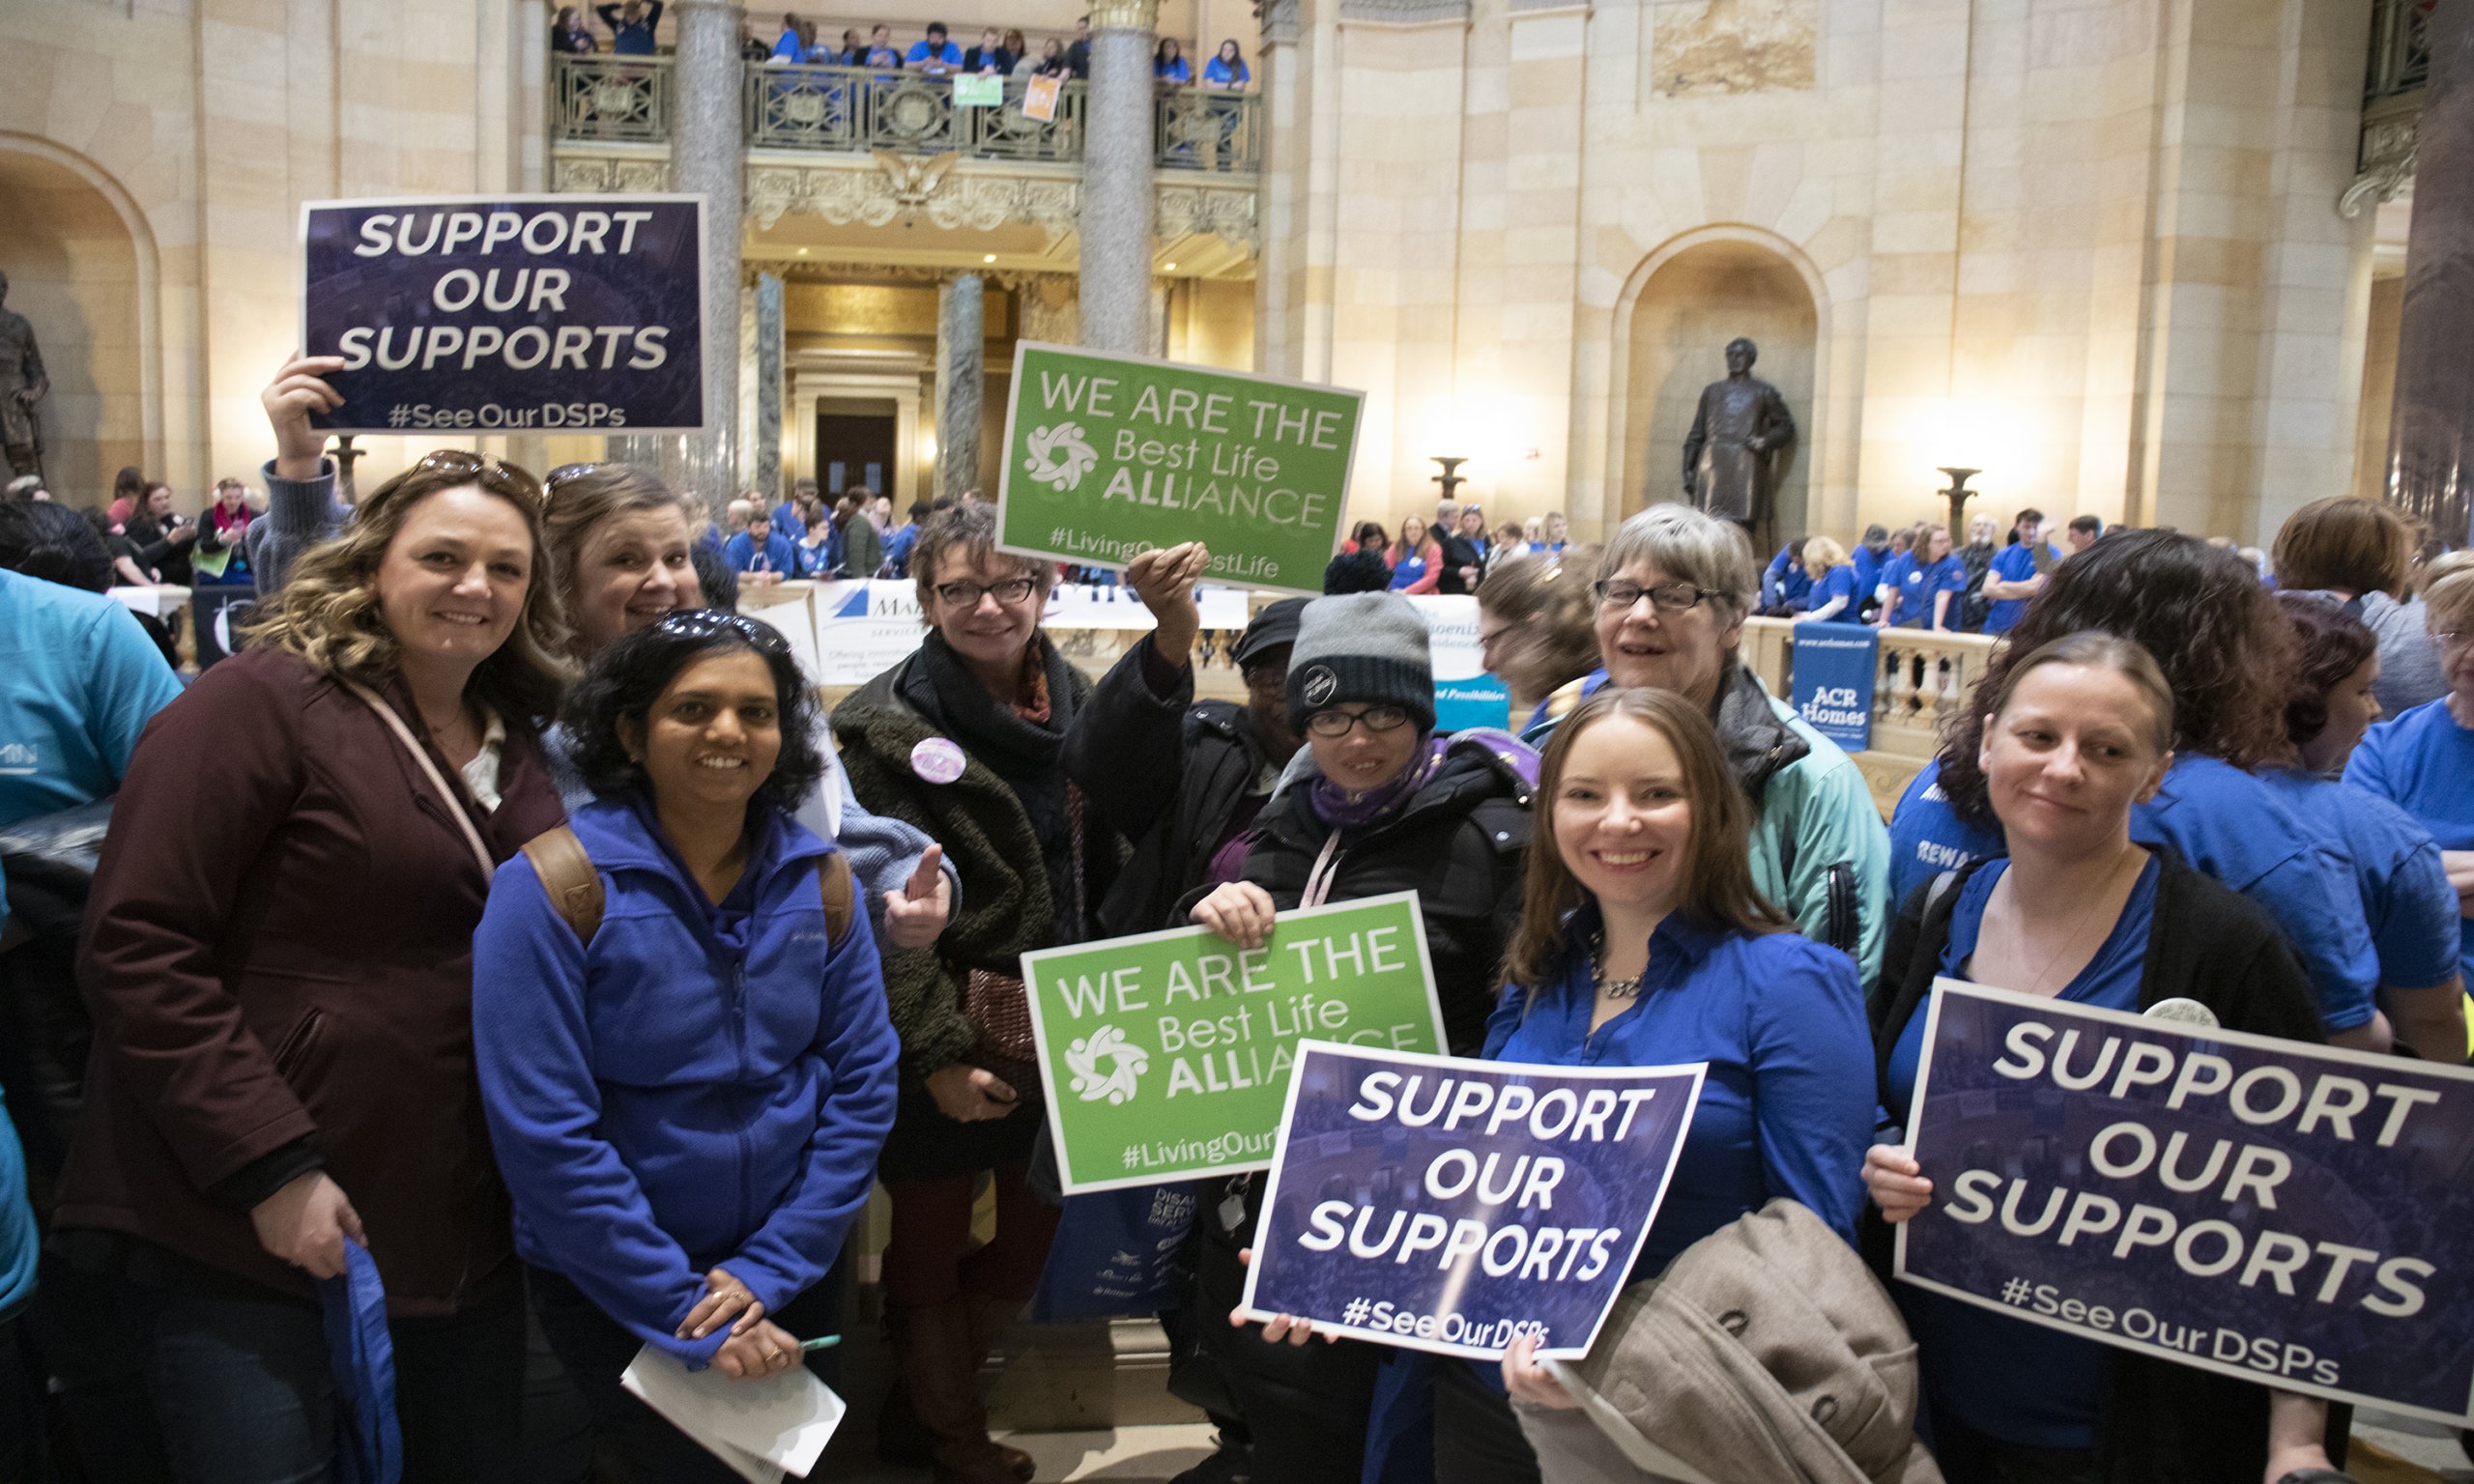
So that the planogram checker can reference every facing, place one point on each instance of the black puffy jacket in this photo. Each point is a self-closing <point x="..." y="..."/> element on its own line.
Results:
<point x="1460" y="845"/>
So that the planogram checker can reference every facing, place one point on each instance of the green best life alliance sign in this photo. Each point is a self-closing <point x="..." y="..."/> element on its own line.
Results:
<point x="1167" y="1054"/>
<point x="1107" y="456"/>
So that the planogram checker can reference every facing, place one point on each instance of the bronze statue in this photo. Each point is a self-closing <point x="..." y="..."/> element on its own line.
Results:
<point x="23" y="384"/>
<point x="1742" y="421"/>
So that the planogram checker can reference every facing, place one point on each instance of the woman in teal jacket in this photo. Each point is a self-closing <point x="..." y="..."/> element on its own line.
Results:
<point x="688" y="1089"/>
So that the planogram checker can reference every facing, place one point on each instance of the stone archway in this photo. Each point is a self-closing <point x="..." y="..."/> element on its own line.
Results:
<point x="1692" y="299"/>
<point x="81" y="271"/>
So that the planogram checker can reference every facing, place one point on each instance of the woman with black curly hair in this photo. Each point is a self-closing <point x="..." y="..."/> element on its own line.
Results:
<point x="2228" y="657"/>
<point x="681" y="1038"/>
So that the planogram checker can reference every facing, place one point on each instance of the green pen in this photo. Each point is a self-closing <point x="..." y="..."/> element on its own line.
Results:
<point x="820" y="1342"/>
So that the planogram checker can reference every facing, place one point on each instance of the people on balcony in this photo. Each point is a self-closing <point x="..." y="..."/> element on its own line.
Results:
<point x="1168" y="62"/>
<point x="1049" y="63"/>
<point x="1078" y="55"/>
<point x="797" y="41"/>
<point x="631" y="26"/>
<point x="936" y="56"/>
<point x="880" y="52"/>
<point x="993" y="57"/>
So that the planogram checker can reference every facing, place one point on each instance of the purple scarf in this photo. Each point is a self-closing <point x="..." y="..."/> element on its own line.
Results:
<point x="1342" y="810"/>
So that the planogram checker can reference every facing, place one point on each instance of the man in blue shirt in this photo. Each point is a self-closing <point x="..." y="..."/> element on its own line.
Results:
<point x="1786" y="587"/>
<point x="1870" y="557"/>
<point x="631" y="26"/>
<point x="936" y="56"/>
<point x="760" y="554"/>
<point x="2019" y="572"/>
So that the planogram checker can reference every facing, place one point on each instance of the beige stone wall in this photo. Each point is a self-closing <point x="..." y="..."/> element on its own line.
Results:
<point x="203" y="125"/>
<point x="2089" y="246"/>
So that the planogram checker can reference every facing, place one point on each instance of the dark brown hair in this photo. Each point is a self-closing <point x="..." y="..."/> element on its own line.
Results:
<point x="1718" y="889"/>
<point x="2355" y="545"/>
<point x="2226" y="653"/>
<point x="2334" y="644"/>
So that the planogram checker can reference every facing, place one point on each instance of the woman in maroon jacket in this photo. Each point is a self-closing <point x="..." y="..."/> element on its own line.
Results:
<point x="279" y="959"/>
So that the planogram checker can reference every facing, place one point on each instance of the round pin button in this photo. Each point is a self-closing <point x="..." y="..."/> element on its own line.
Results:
<point x="938" y="759"/>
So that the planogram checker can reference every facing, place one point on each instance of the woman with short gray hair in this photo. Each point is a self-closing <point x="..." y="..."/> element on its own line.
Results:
<point x="1674" y="587"/>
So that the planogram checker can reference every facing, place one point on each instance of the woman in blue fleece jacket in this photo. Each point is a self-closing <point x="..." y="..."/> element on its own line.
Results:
<point x="687" y="1108"/>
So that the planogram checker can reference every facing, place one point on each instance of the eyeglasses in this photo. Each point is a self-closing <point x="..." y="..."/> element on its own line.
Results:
<point x="2453" y="638"/>
<point x="1666" y="597"/>
<point x="1012" y="591"/>
<point x="1336" y="722"/>
<point x="697" y="623"/>
<point x="505" y="479"/>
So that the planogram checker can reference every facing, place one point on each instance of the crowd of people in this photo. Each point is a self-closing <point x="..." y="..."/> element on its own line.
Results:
<point x="507" y="922"/>
<point x="631" y="26"/>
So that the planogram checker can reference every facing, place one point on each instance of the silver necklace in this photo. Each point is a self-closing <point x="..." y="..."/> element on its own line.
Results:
<point x="1612" y="989"/>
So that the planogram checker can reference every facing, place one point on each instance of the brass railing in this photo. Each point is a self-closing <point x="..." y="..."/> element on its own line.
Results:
<point x="862" y="110"/>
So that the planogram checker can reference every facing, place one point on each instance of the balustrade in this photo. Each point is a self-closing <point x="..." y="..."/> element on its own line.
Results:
<point x="1925" y="679"/>
<point x="864" y="110"/>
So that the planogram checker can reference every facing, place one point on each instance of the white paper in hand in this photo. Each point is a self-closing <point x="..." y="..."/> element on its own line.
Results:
<point x="760" y="1428"/>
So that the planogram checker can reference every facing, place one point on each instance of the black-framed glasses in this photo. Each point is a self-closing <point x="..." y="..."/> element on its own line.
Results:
<point x="1336" y="723"/>
<point x="698" y="623"/>
<point x="1010" y="592"/>
<point x="490" y="475"/>
<point x="1666" y="597"/>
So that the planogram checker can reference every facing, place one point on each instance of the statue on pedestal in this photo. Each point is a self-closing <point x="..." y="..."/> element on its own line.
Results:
<point x="23" y="384"/>
<point x="1727" y="456"/>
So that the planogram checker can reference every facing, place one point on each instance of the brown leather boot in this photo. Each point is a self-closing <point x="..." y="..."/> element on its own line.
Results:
<point x="989" y="1320"/>
<point x="940" y="1376"/>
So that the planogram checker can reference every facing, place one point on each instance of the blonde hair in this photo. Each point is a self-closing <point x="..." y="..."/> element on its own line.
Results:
<point x="2451" y="597"/>
<point x="1689" y="546"/>
<point x="328" y="611"/>
<point x="1820" y="554"/>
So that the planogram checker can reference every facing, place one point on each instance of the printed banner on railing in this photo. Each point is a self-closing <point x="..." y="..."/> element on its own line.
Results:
<point x="1834" y="665"/>
<point x="1107" y="456"/>
<point x="2293" y="1215"/>
<point x="1442" y="1204"/>
<point x="1039" y="98"/>
<point x="1168" y="1054"/>
<point x="1465" y="695"/>
<point x="564" y="313"/>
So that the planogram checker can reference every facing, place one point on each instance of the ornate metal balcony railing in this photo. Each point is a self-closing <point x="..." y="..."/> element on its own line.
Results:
<point x="611" y="99"/>
<point x="2392" y="102"/>
<point x="863" y="110"/>
<point x="2400" y="48"/>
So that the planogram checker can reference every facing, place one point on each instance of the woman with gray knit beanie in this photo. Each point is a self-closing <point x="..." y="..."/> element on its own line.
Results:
<point x="1374" y="803"/>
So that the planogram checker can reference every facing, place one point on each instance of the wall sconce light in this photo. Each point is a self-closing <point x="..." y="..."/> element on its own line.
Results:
<point x="927" y="448"/>
<point x="1451" y="478"/>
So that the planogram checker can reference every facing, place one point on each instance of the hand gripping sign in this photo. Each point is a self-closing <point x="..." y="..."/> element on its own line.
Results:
<point x="1443" y="1204"/>
<point x="559" y="313"/>
<point x="2293" y="1215"/>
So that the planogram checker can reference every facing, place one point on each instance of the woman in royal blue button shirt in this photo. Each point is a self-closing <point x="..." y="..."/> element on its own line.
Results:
<point x="1644" y="942"/>
<point x="2075" y="734"/>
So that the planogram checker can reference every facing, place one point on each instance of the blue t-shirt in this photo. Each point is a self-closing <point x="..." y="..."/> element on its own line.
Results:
<point x="898" y="549"/>
<point x="1839" y="582"/>
<point x="2013" y="563"/>
<point x="2224" y="823"/>
<point x="1787" y="1107"/>
<point x="1412" y="569"/>
<point x="777" y="554"/>
<point x="83" y="680"/>
<point x="787" y="522"/>
<point x="2005" y="1377"/>
<point x="1915" y="583"/>
<point x="2423" y="763"/>
<point x="1870" y="566"/>
<point x="1179" y="71"/>
<point x="1785" y="582"/>
<point x="949" y="54"/>
<point x="1218" y="72"/>
<point x="2412" y="910"/>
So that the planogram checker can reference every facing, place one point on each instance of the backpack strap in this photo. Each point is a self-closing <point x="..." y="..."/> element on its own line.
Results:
<point x="840" y="897"/>
<point x="567" y="876"/>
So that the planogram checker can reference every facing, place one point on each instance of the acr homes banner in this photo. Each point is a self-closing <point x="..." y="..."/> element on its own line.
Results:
<point x="1441" y="1204"/>
<point x="561" y="313"/>
<point x="1168" y="1054"/>
<point x="1834" y="667"/>
<point x="1107" y="456"/>
<point x="2295" y="1215"/>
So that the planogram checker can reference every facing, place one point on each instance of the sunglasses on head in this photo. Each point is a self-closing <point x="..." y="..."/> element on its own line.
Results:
<point x="499" y="478"/>
<point x="697" y="623"/>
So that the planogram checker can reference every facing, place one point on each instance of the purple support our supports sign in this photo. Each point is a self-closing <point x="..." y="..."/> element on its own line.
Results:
<point x="1441" y="1204"/>
<point x="2293" y="1215"/>
<point x="495" y="314"/>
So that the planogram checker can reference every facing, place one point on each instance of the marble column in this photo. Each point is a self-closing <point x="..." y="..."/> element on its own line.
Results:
<point x="2430" y="437"/>
<point x="962" y="380"/>
<point x="764" y="460"/>
<point x="707" y="156"/>
<point x="1115" y="232"/>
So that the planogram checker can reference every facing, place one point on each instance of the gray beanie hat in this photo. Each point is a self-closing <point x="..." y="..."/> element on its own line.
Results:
<point x="1366" y="648"/>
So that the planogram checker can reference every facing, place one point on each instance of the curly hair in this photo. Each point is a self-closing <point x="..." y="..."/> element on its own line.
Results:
<point x="2224" y="648"/>
<point x="328" y="611"/>
<point x="2334" y="644"/>
<point x="625" y="680"/>
<point x="971" y="528"/>
<point x="1718" y="889"/>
